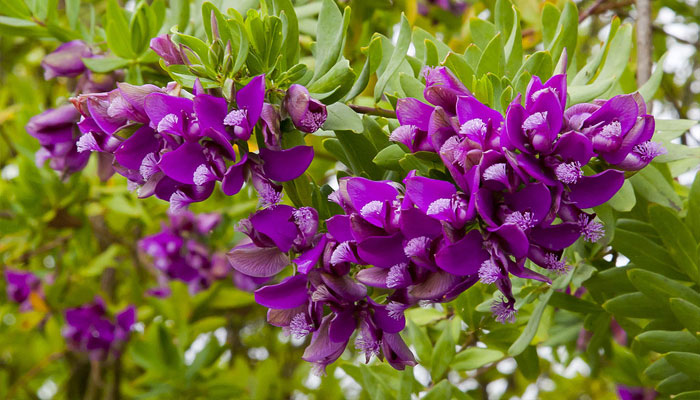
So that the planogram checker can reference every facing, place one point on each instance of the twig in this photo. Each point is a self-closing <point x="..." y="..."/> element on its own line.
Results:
<point x="644" y="44"/>
<point x="589" y="11"/>
<point x="381" y="112"/>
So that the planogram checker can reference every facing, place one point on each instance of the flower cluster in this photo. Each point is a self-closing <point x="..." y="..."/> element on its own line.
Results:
<point x="180" y="146"/>
<point x="515" y="190"/>
<point x="55" y="128"/>
<point x="180" y="253"/>
<point x="21" y="287"/>
<point x="89" y="330"/>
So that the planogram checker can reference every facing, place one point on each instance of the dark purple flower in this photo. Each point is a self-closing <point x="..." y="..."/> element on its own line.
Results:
<point x="55" y="130"/>
<point x="179" y="251"/>
<point x="89" y="330"/>
<point x="66" y="60"/>
<point x="20" y="285"/>
<point x="307" y="113"/>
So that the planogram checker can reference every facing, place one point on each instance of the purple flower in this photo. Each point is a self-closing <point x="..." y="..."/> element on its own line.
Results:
<point x="166" y="49"/>
<point x="55" y="130"/>
<point x="66" y="60"/>
<point x="89" y="330"/>
<point x="179" y="253"/>
<point x="20" y="285"/>
<point x="307" y="113"/>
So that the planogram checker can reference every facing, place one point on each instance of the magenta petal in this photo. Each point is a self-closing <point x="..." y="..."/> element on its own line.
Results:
<point x="181" y="163"/>
<point x="469" y="108"/>
<point x="289" y="293"/>
<point x="251" y="98"/>
<point x="375" y="277"/>
<point x="515" y="240"/>
<point x="382" y="251"/>
<point x="285" y="165"/>
<point x="556" y="237"/>
<point x="339" y="228"/>
<point x="345" y="287"/>
<point x="322" y="350"/>
<point x="396" y="352"/>
<point x="424" y="191"/>
<point x="234" y="177"/>
<point x="642" y="131"/>
<point x="275" y="223"/>
<point x="411" y="111"/>
<point x="534" y="197"/>
<point x="523" y="272"/>
<point x="387" y="323"/>
<point x="342" y="326"/>
<point x="591" y="191"/>
<point x="257" y="261"/>
<point x="622" y="108"/>
<point x="415" y="223"/>
<point x="132" y="152"/>
<point x="308" y="259"/>
<point x="434" y="286"/>
<point x="211" y="112"/>
<point x="515" y="115"/>
<point x="362" y="191"/>
<point x="574" y="146"/>
<point x="463" y="257"/>
<point x="158" y="105"/>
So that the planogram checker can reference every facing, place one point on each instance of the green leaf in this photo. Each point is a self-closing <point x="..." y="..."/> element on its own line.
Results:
<point x="678" y="240"/>
<point x="693" y="218"/>
<point x="688" y="363"/>
<point x="360" y="153"/>
<point x="389" y="157"/>
<point x="652" y="85"/>
<point x="665" y="341"/>
<point x="652" y="185"/>
<point x="661" y="288"/>
<point x="492" y="58"/>
<point x="687" y="313"/>
<point x="660" y="369"/>
<point x="482" y="32"/>
<point x="118" y="32"/>
<point x="572" y="303"/>
<point x="550" y="22"/>
<point x="421" y="341"/>
<point x="412" y="86"/>
<point x="539" y="63"/>
<point x="618" y="54"/>
<point x="588" y="71"/>
<point x="582" y="94"/>
<point x="635" y="305"/>
<point x="441" y="391"/>
<point x="342" y="117"/>
<point x="20" y="27"/>
<point x="677" y="383"/>
<point x="533" y="323"/>
<point x="475" y="357"/>
<point x="624" y="200"/>
<point x="693" y="395"/>
<point x="72" y="12"/>
<point x="330" y="34"/>
<point x="443" y="352"/>
<point x="210" y="353"/>
<point x="106" y="64"/>
<point x="397" y="57"/>
<point x="529" y="363"/>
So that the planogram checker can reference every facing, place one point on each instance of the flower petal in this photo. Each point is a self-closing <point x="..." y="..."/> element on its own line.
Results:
<point x="594" y="190"/>
<point x="289" y="293"/>
<point x="463" y="257"/>
<point x="257" y="261"/>
<point x="285" y="165"/>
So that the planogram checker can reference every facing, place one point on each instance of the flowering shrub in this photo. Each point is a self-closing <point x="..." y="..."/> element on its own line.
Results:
<point x="447" y="207"/>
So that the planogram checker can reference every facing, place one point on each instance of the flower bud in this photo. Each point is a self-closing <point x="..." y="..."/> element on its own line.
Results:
<point x="165" y="48"/>
<point x="308" y="114"/>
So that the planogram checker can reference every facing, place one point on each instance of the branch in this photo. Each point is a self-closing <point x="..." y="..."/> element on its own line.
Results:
<point x="644" y="44"/>
<point x="381" y="112"/>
